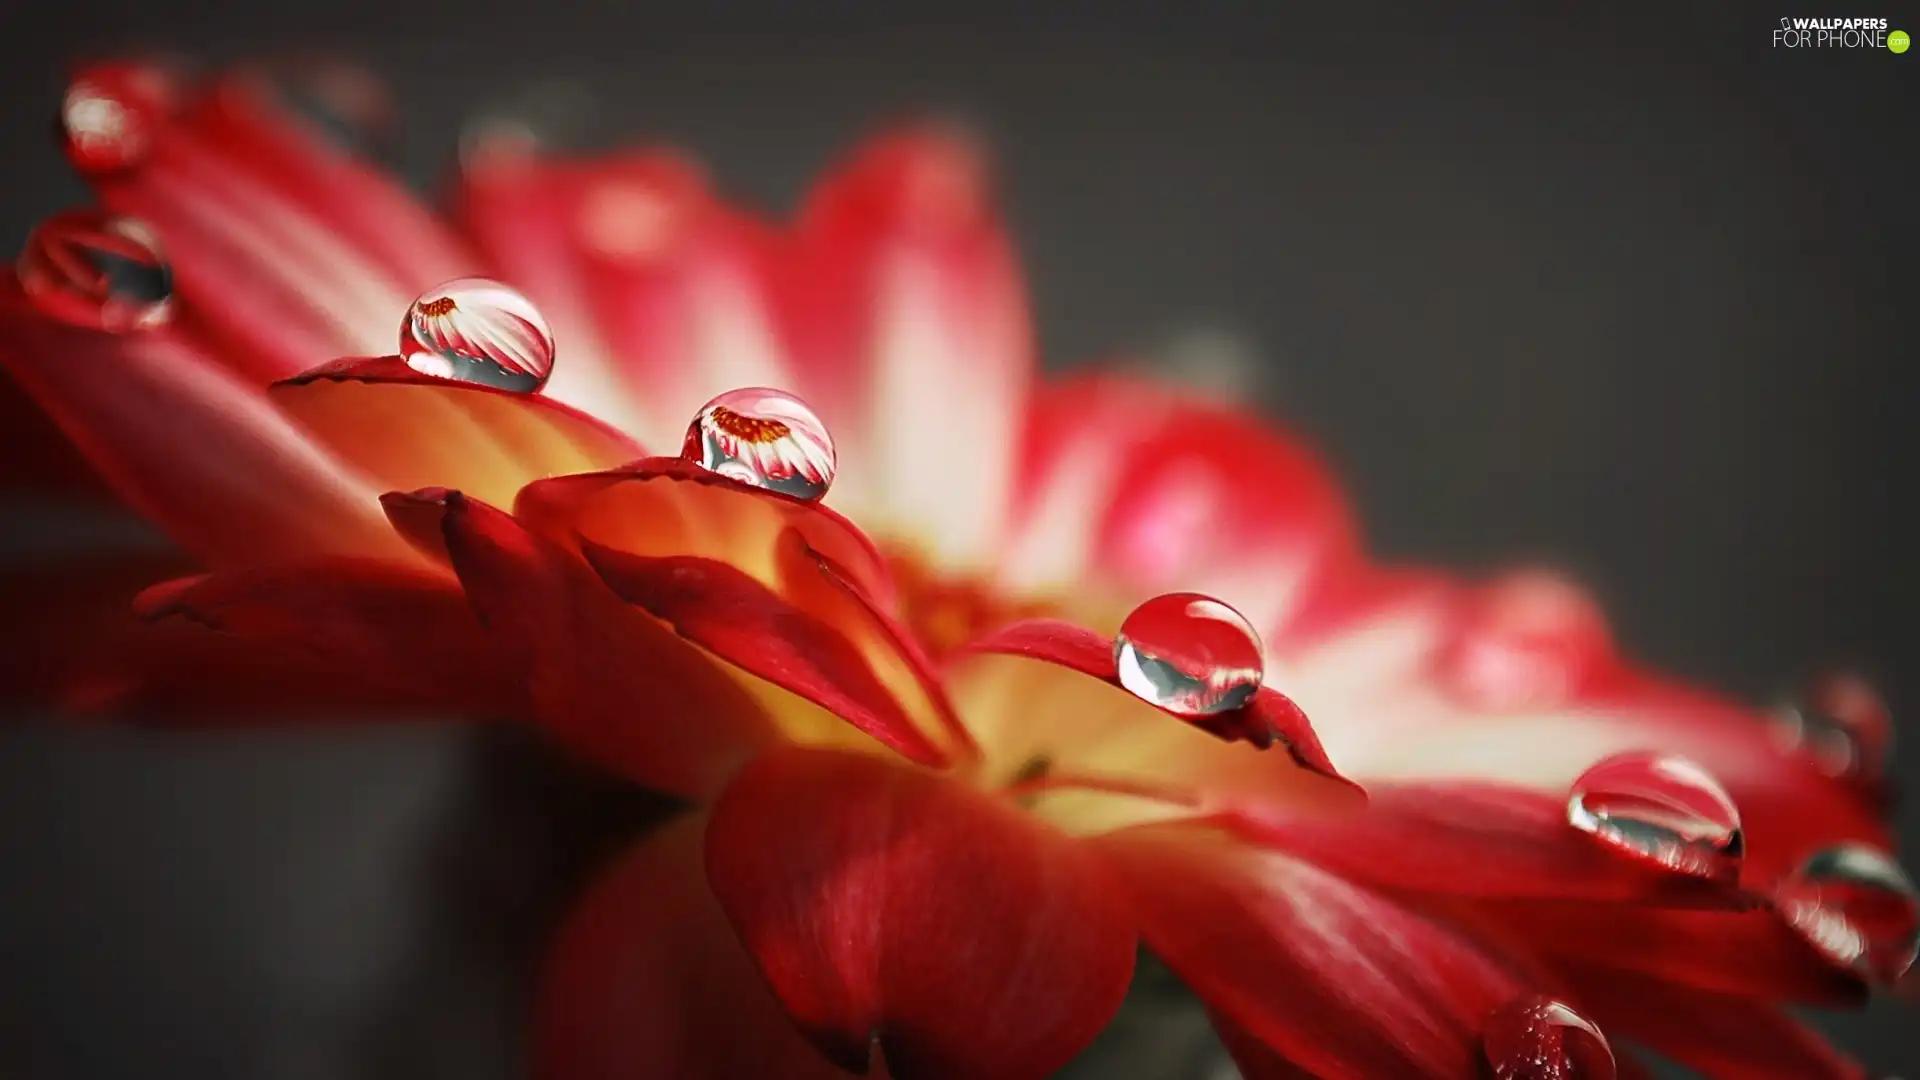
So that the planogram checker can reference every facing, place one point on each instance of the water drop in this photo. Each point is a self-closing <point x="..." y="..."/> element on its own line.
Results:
<point x="767" y="438"/>
<point x="479" y="331"/>
<point x="1854" y="903"/>
<point x="1536" y="1037"/>
<point x="1661" y="808"/>
<point x="112" y="113"/>
<point x="98" y="270"/>
<point x="1189" y="654"/>
<point x="1843" y="725"/>
<point x="342" y="102"/>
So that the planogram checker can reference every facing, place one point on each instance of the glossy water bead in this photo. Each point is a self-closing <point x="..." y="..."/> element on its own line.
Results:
<point x="479" y="331"/>
<point x="1536" y="1037"/>
<point x="1661" y="808"/>
<point x="112" y="114"/>
<point x="767" y="438"/>
<point x="1843" y="725"/>
<point x="98" y="270"/>
<point x="1855" y="904"/>
<point x="1189" y="654"/>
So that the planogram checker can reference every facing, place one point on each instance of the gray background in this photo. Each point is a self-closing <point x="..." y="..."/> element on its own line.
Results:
<point x="1623" y="287"/>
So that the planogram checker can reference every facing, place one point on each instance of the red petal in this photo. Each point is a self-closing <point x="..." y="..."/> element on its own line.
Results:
<point x="385" y="224"/>
<point x="27" y="434"/>
<point x="1418" y="837"/>
<point x="398" y="624"/>
<point x="1724" y="1037"/>
<point x="417" y="517"/>
<point x="82" y="626"/>
<point x="1341" y="981"/>
<point x="278" y="281"/>
<point x="408" y="430"/>
<point x="1744" y="953"/>
<point x="523" y="214"/>
<point x="1151" y="490"/>
<point x="682" y="286"/>
<point x="886" y="905"/>
<point x="743" y="622"/>
<point x="668" y="506"/>
<point x="647" y="979"/>
<point x="189" y="446"/>
<point x="604" y="679"/>
<point x="911" y="318"/>
<point x="1269" y="715"/>
<point x="1255" y="1059"/>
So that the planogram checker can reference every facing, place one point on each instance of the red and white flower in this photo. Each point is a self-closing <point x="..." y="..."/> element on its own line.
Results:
<point x="929" y="824"/>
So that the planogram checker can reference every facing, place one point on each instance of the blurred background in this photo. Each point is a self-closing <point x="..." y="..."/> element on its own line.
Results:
<point x="1622" y="286"/>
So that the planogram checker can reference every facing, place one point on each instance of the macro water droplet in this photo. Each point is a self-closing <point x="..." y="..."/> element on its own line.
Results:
<point x="1843" y="725"/>
<point x="1189" y="654"/>
<point x="767" y="438"/>
<point x="1526" y="640"/>
<point x="1855" y="904"/>
<point x="1661" y="808"/>
<point x="112" y="113"/>
<point x="343" y="102"/>
<point x="98" y="270"/>
<point x="1536" y="1037"/>
<point x="479" y="331"/>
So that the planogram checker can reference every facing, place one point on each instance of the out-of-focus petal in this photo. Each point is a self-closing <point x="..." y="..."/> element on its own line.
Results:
<point x="57" y="468"/>
<point x="1788" y="808"/>
<point x="407" y="430"/>
<point x="668" y="506"/>
<point x="911" y="322"/>
<point x="398" y="624"/>
<point x="889" y="907"/>
<point x="741" y="621"/>
<point x="1341" y="981"/>
<point x="646" y="978"/>
<point x="71" y="628"/>
<point x="1716" y="1035"/>
<point x="1255" y="1059"/>
<point x="1269" y="715"/>
<point x="1134" y="484"/>
<point x="1492" y="840"/>
<point x="282" y="251"/>
<point x="605" y="679"/>
<point x="190" y="446"/>
<point x="1741" y="953"/>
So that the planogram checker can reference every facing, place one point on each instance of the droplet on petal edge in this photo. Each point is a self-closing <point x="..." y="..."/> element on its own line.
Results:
<point x="1856" y="905"/>
<point x="97" y="270"/>
<point x="1660" y="808"/>
<point x="477" y="330"/>
<point x="1843" y="725"/>
<point x="112" y="113"/>
<point x="1536" y="1037"/>
<point x="1189" y="654"/>
<point x="767" y="438"/>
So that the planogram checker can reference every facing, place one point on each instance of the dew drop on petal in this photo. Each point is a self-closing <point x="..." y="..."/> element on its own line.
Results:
<point x="1189" y="654"/>
<point x="1843" y="725"/>
<point x="479" y="331"/>
<point x="767" y="438"/>
<point x="1536" y="1037"/>
<point x="112" y="113"/>
<point x="1856" y="904"/>
<point x="1661" y="808"/>
<point x="98" y="270"/>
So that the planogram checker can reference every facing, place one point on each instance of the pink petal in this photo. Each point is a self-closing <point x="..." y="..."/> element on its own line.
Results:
<point x="190" y="446"/>
<point x="911" y="321"/>
<point x="1135" y="484"/>
<point x="1341" y="981"/>
<point x="1268" y="716"/>
<point x="604" y="679"/>
<point x="729" y="614"/>
<point x="647" y="979"/>
<point x="889" y="907"/>
<point x="408" y="430"/>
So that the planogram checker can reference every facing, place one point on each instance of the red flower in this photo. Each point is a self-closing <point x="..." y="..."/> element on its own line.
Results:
<point x="936" y="804"/>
